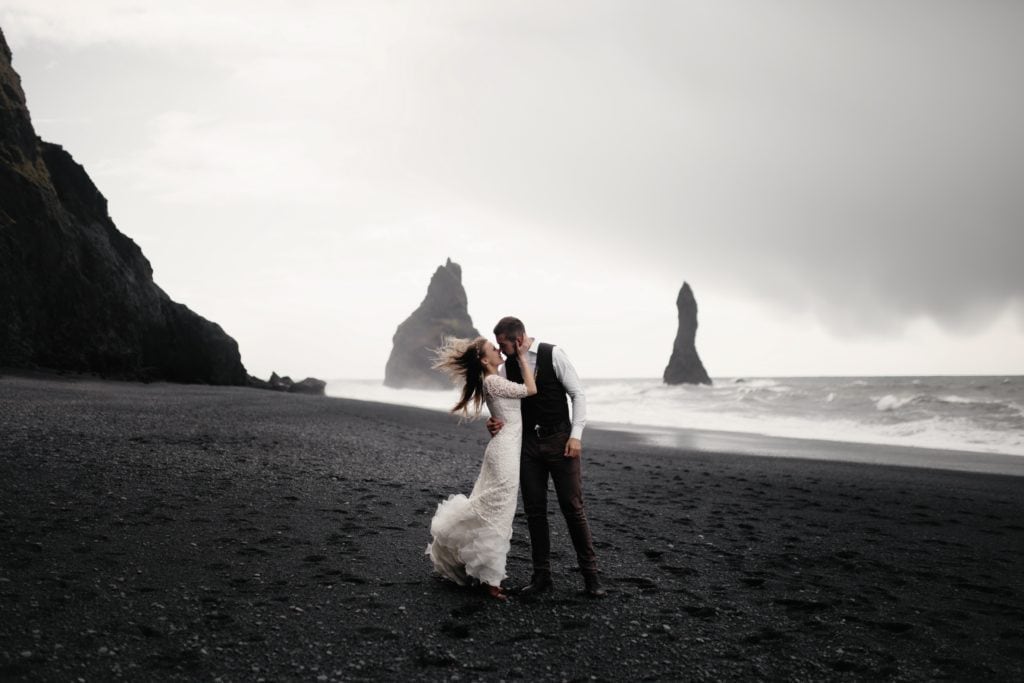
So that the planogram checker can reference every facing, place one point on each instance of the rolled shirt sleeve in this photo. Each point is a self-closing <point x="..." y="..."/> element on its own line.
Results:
<point x="570" y="379"/>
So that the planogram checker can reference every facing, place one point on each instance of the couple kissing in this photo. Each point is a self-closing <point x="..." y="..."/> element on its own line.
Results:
<point x="533" y="440"/>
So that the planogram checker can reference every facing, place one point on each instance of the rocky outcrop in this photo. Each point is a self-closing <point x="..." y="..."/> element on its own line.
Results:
<point x="684" y="366"/>
<point x="75" y="293"/>
<point x="443" y="313"/>
<point x="310" y="385"/>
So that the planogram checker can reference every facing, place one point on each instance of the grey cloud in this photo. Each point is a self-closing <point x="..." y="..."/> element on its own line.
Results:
<point x="865" y="165"/>
<point x="862" y="161"/>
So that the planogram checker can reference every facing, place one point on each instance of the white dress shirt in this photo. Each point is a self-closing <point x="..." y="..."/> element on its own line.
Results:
<point x="566" y="374"/>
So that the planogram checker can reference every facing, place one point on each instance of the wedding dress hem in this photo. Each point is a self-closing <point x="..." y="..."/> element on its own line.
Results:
<point x="472" y="535"/>
<point x="466" y="545"/>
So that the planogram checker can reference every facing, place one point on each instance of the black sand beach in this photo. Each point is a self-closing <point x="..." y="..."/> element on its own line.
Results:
<point x="168" y="532"/>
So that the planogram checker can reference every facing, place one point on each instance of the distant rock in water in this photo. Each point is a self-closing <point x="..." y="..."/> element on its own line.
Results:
<point x="310" y="385"/>
<point x="443" y="313"/>
<point x="75" y="293"/>
<point x="684" y="366"/>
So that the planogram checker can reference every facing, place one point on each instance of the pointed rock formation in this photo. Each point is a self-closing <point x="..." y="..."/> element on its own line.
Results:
<point x="75" y="293"/>
<point x="684" y="366"/>
<point x="443" y="313"/>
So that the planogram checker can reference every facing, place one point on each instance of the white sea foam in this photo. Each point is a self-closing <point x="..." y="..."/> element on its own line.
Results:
<point x="890" y="402"/>
<point x="981" y="403"/>
<point x="872" y="410"/>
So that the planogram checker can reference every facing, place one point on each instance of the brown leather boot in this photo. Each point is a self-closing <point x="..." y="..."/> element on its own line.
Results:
<point x="592" y="586"/>
<point x="540" y="583"/>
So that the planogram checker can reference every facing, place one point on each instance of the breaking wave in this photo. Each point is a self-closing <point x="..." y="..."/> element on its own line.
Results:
<point x="981" y="414"/>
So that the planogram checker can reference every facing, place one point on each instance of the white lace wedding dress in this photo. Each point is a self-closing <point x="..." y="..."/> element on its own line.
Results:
<point x="471" y="536"/>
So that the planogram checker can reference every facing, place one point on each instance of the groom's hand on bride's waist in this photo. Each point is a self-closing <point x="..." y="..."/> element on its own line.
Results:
<point x="573" y="448"/>
<point x="494" y="425"/>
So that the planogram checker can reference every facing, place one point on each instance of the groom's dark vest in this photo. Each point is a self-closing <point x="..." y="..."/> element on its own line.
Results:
<point x="548" y="407"/>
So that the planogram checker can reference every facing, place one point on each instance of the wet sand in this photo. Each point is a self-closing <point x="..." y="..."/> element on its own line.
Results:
<point x="743" y="443"/>
<point x="166" y="532"/>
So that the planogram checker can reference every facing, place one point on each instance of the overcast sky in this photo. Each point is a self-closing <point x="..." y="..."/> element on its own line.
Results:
<point x="840" y="182"/>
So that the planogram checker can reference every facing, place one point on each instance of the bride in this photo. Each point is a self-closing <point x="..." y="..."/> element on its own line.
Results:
<point x="471" y="535"/>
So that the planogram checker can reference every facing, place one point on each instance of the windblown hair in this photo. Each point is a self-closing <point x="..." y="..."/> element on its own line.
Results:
<point x="461" y="360"/>
<point x="510" y="327"/>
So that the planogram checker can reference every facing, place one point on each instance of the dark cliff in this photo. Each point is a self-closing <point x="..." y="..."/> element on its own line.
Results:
<point x="684" y="366"/>
<point x="75" y="293"/>
<point x="443" y="313"/>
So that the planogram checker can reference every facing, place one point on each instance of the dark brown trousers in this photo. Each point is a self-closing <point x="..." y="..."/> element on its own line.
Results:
<point x="543" y="458"/>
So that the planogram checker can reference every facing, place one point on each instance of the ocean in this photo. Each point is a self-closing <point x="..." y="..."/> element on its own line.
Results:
<point x="980" y="414"/>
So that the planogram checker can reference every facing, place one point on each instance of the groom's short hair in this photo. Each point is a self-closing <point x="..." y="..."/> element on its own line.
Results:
<point x="509" y="327"/>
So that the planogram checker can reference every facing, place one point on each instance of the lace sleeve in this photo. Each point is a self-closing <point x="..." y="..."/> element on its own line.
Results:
<point x="503" y="388"/>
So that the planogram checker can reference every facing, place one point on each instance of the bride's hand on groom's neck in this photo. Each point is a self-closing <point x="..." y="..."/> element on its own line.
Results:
<point x="522" y="345"/>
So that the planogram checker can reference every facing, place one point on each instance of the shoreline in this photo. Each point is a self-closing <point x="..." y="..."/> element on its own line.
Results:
<point x="764" y="445"/>
<point x="177" y="532"/>
<point x="862" y="447"/>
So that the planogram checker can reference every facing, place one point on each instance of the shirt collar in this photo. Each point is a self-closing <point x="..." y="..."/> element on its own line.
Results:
<point x="535" y="346"/>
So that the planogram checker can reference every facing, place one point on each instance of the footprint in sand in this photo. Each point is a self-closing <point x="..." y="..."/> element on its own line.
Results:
<point x="803" y="606"/>
<point x="644" y="584"/>
<point x="677" y="570"/>
<point x="893" y="626"/>
<point x="764" y="634"/>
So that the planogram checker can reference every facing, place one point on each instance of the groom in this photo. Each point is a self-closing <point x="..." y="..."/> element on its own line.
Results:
<point x="551" y="448"/>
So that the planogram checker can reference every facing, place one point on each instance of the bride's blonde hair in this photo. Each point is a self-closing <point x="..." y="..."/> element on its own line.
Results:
<point x="461" y="360"/>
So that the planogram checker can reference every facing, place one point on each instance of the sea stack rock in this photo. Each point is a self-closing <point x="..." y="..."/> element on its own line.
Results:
<point x="75" y="293"/>
<point x="443" y="313"/>
<point x="684" y="366"/>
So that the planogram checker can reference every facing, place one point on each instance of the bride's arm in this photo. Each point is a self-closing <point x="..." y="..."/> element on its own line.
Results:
<point x="524" y="365"/>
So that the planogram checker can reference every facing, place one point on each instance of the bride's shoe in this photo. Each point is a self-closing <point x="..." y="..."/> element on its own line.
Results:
<point x="496" y="593"/>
